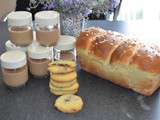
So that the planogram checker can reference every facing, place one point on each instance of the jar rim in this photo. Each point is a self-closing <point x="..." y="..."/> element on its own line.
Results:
<point x="66" y="42"/>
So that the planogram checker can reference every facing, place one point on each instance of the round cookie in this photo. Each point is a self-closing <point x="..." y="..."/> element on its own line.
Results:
<point x="69" y="103"/>
<point x="63" y="92"/>
<point x="64" y="77"/>
<point x="73" y="87"/>
<point x="61" y="69"/>
<point x="63" y="62"/>
<point x="62" y="84"/>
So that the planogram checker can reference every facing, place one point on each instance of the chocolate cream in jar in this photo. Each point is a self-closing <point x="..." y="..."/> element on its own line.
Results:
<point x="65" y="48"/>
<point x="20" y="28"/>
<point x="14" y="68"/>
<point x="38" y="59"/>
<point x="47" y="28"/>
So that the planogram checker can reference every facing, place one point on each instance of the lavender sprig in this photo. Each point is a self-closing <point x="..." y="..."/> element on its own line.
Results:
<point x="75" y="7"/>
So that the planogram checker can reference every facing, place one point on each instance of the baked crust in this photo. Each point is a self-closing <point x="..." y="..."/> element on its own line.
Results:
<point x="106" y="42"/>
<point x="122" y="60"/>
<point x="147" y="58"/>
<point x="86" y="37"/>
<point x="124" y="53"/>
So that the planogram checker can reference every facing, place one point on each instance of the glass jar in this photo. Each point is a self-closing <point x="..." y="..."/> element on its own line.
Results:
<point x="14" y="68"/>
<point x="38" y="59"/>
<point x="65" y="48"/>
<point x="20" y="28"/>
<point x="9" y="46"/>
<point x="47" y="28"/>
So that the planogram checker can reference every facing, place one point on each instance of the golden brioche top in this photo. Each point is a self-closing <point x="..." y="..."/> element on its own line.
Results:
<point x="115" y="48"/>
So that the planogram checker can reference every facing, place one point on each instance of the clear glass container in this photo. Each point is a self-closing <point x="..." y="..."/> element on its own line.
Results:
<point x="14" y="68"/>
<point x="47" y="28"/>
<point x="65" y="54"/>
<point x="20" y="28"/>
<point x="65" y="48"/>
<point x="38" y="58"/>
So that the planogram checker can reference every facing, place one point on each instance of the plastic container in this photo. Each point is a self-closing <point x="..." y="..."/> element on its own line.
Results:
<point x="65" y="48"/>
<point x="38" y="59"/>
<point x="47" y="25"/>
<point x="20" y="28"/>
<point x="14" y="68"/>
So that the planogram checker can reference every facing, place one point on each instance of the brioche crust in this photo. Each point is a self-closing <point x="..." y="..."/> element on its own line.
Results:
<point x="121" y="60"/>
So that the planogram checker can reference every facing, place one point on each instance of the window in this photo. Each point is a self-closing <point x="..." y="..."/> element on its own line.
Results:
<point x="139" y="10"/>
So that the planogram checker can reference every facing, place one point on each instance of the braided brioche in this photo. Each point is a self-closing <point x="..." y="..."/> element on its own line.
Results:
<point x="124" y="61"/>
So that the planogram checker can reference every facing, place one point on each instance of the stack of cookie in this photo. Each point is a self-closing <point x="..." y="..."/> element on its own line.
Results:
<point x="63" y="77"/>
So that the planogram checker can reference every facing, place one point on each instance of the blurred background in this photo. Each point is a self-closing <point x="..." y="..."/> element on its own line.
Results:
<point x="95" y="9"/>
<point x="91" y="9"/>
<point x="73" y="13"/>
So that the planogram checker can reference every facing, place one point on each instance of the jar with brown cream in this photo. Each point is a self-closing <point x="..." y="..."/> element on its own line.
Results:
<point x="47" y="28"/>
<point x="20" y="28"/>
<point x="38" y="59"/>
<point x="65" y="48"/>
<point x="14" y="68"/>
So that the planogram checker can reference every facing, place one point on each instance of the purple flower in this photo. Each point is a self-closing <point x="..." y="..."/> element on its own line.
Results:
<point x="50" y="6"/>
<point x="67" y="2"/>
<point x="77" y="7"/>
<point x="53" y="5"/>
<point x="87" y="12"/>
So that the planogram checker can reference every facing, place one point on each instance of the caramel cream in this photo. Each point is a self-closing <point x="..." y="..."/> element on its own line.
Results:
<point x="65" y="48"/>
<point x="38" y="59"/>
<point x="47" y="27"/>
<point x="15" y="77"/>
<point x="21" y="36"/>
<point x="14" y="68"/>
<point x="65" y="56"/>
<point x="46" y="37"/>
<point x="38" y="67"/>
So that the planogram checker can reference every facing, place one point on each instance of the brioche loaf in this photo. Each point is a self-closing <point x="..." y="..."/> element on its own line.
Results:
<point x="124" y="61"/>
